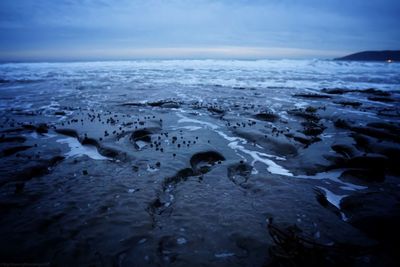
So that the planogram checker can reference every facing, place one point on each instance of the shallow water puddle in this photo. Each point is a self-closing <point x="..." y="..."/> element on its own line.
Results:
<point x="335" y="200"/>
<point x="234" y="144"/>
<point x="333" y="176"/>
<point x="78" y="150"/>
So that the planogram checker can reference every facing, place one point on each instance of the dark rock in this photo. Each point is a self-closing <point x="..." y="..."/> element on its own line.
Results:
<point x="362" y="142"/>
<point x="267" y="116"/>
<point x="368" y="162"/>
<point x="180" y="176"/>
<point x="18" y="139"/>
<point x="67" y="132"/>
<point x="381" y="99"/>
<point x="29" y="127"/>
<point x="215" y="110"/>
<point x="60" y="113"/>
<point x="110" y="152"/>
<point x="349" y="103"/>
<point x="314" y="131"/>
<point x="381" y="135"/>
<point x="164" y="104"/>
<point x="364" y="175"/>
<point x="346" y="151"/>
<point x="384" y="125"/>
<point x="203" y="160"/>
<point x="142" y="135"/>
<point x="374" y="91"/>
<point x="133" y="104"/>
<point x="239" y="173"/>
<point x="302" y="113"/>
<point x="340" y="123"/>
<point x="336" y="91"/>
<point x="42" y="128"/>
<point x="90" y="141"/>
<point x="12" y="150"/>
<point x="375" y="213"/>
<point x="313" y="96"/>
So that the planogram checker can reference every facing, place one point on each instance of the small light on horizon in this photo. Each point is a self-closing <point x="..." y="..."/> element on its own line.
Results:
<point x="389" y="61"/>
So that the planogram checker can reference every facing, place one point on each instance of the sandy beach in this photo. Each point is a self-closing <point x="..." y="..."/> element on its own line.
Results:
<point x="194" y="163"/>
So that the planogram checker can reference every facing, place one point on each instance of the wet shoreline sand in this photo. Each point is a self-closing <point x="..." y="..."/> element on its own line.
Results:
<point x="245" y="177"/>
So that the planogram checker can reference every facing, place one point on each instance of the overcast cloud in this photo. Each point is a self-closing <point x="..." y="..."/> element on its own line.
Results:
<point x="108" y="29"/>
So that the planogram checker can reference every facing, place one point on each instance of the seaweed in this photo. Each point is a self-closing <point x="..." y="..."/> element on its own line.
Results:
<point x="293" y="248"/>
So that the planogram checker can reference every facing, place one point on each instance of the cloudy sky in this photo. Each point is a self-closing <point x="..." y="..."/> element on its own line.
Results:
<point x="48" y="30"/>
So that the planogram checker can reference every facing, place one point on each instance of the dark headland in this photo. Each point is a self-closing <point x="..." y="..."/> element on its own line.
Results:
<point x="387" y="55"/>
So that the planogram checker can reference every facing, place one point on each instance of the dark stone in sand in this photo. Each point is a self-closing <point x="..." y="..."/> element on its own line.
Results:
<point x="133" y="104"/>
<point x="304" y="140"/>
<point x="29" y="127"/>
<point x="364" y="175"/>
<point x="362" y="141"/>
<point x="18" y="139"/>
<point x="368" y="162"/>
<point x="337" y="161"/>
<point x="381" y="99"/>
<point x="392" y="112"/>
<point x="180" y="176"/>
<point x="335" y="91"/>
<point x="42" y="128"/>
<point x="110" y="152"/>
<point x="346" y="151"/>
<point x="375" y="213"/>
<point x="164" y="104"/>
<point x="340" y="123"/>
<point x="267" y="116"/>
<point x="239" y="173"/>
<point x="312" y="96"/>
<point x="67" y="132"/>
<point x="60" y="113"/>
<point x="340" y="91"/>
<point x="314" y="131"/>
<point x="381" y="135"/>
<point x="141" y="135"/>
<point x="215" y="110"/>
<point x="202" y="160"/>
<point x="385" y="125"/>
<point x="90" y="141"/>
<point x="302" y="113"/>
<point x="349" y="103"/>
<point x="12" y="150"/>
<point x="393" y="155"/>
<point x="4" y="81"/>
<point x="373" y="91"/>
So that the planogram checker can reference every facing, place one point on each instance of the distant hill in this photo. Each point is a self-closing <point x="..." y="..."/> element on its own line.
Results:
<point x="388" y="55"/>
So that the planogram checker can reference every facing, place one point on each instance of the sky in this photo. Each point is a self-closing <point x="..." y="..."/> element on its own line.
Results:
<point x="64" y="30"/>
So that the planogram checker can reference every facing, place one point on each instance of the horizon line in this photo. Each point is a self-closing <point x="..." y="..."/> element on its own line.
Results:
<point x="166" y="53"/>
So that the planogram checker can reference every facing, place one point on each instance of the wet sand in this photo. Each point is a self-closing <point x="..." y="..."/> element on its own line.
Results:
<point x="242" y="177"/>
